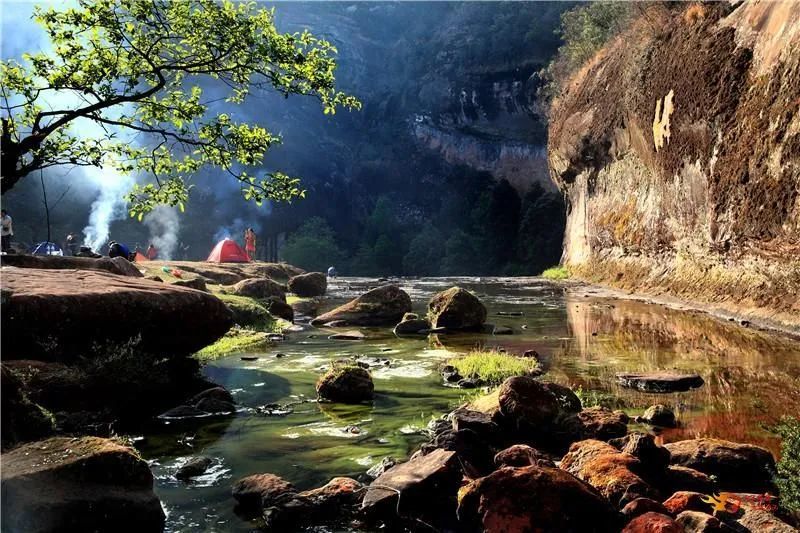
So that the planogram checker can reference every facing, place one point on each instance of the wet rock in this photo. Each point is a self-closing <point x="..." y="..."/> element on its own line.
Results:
<point x="468" y="383"/>
<point x="687" y="501"/>
<point x="182" y="411"/>
<point x="194" y="467"/>
<point x="676" y="478"/>
<point x="610" y="471"/>
<point x="76" y="310"/>
<point x="311" y="284"/>
<point x="216" y="393"/>
<point x="450" y="374"/>
<point x="198" y="284"/>
<point x="254" y="492"/>
<point x="522" y="455"/>
<point x="381" y="306"/>
<point x="78" y="484"/>
<point x="735" y="466"/>
<point x="533" y="498"/>
<point x="376" y="470"/>
<point x="697" y="522"/>
<point x="758" y="521"/>
<point x="502" y="330"/>
<point x="215" y="407"/>
<point x="480" y="423"/>
<point x="640" y="506"/>
<point x="414" y="326"/>
<point x="456" y="308"/>
<point x="345" y="384"/>
<point x="336" y="324"/>
<point x="281" y="309"/>
<point x="338" y="494"/>
<point x="602" y="423"/>
<point x="654" y="458"/>
<point x="410" y="316"/>
<point x="652" y="523"/>
<point x="660" y="381"/>
<point x="659" y="415"/>
<point x="424" y="482"/>
<point x="353" y="335"/>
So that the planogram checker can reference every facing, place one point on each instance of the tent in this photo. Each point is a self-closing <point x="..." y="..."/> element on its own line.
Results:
<point x="140" y="257"/>
<point x="47" y="248"/>
<point x="228" y="251"/>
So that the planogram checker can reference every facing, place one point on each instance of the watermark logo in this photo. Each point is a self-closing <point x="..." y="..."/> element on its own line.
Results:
<point x="730" y="502"/>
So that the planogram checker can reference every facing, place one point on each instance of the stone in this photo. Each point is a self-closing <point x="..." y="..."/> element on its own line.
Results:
<point x="254" y="492"/>
<point x="409" y="316"/>
<point x="78" y="484"/>
<point x="759" y="521"/>
<point x="345" y="384"/>
<point x="450" y="374"/>
<point x="338" y="493"/>
<point x="522" y="455"/>
<point x="456" y="308"/>
<point x="698" y="522"/>
<point x="468" y="383"/>
<point x="480" y="423"/>
<point x="307" y="285"/>
<point x="659" y="415"/>
<point x="382" y="306"/>
<point x="610" y="471"/>
<point x="116" y="265"/>
<point x="182" y="411"/>
<point x="736" y="467"/>
<point x="261" y="288"/>
<point x="660" y="381"/>
<point x="654" y="458"/>
<point x="379" y="468"/>
<point x="352" y="335"/>
<point x="533" y="498"/>
<point x="502" y="330"/>
<point x="687" y="501"/>
<point x="217" y="393"/>
<point x="602" y="423"/>
<point x="532" y="405"/>
<point x="415" y="326"/>
<point x="194" y="467"/>
<point x="215" y="407"/>
<point x="22" y="420"/>
<point x="652" y="523"/>
<point x="281" y="309"/>
<point x="421" y="483"/>
<point x="676" y="478"/>
<point x="155" y="278"/>
<point x="78" y="309"/>
<point x="640" y="506"/>
<point x="194" y="283"/>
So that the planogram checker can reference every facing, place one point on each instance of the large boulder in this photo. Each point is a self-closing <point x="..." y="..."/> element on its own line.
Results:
<point x="263" y="288"/>
<point x="78" y="484"/>
<point x="533" y="498"/>
<point x="345" y="383"/>
<point x="602" y="423"/>
<point x="660" y="381"/>
<point x="456" y="308"/>
<point x="311" y="284"/>
<point x="382" y="306"/>
<point x="115" y="265"/>
<point x="59" y="314"/>
<point x="653" y="523"/>
<point x="256" y="491"/>
<point x="735" y="466"/>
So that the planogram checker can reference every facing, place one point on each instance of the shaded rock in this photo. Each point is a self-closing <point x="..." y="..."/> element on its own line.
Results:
<point x="194" y="283"/>
<point x="522" y="455"/>
<point x="381" y="306"/>
<point x="281" y="309"/>
<point x="610" y="471"/>
<point x="215" y="407"/>
<point x="759" y="521"/>
<point x="450" y="374"/>
<point x="116" y="265"/>
<point x="640" y="506"/>
<point x="480" y="423"/>
<point x="735" y="466"/>
<point x="262" y="288"/>
<point x="602" y="423"/>
<point x="254" y="492"/>
<point x="660" y="381"/>
<point x="654" y="458"/>
<point x="78" y="484"/>
<point x="456" y="308"/>
<point x="502" y="330"/>
<point x="410" y="316"/>
<point x="334" y="499"/>
<point x="533" y="498"/>
<point x="311" y="284"/>
<point x="76" y="310"/>
<point x="196" y="466"/>
<point x="676" y="478"/>
<point x="469" y="383"/>
<point x="659" y="415"/>
<point x="424" y="482"/>
<point x="155" y="278"/>
<point x="353" y="335"/>
<point x="22" y="420"/>
<point x="531" y="403"/>
<point x="216" y="393"/>
<point x="414" y="326"/>
<point x="377" y="469"/>
<point x="687" y="501"/>
<point x="182" y="411"/>
<point x="697" y="522"/>
<point x="652" y="523"/>
<point x="346" y="384"/>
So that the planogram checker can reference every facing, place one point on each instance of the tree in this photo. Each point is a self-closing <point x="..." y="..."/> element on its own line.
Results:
<point x="133" y="67"/>
<point x="425" y="252"/>
<point x="313" y="246"/>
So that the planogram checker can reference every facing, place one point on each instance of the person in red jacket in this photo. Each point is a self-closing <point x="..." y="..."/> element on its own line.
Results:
<point x="152" y="253"/>
<point x="250" y="243"/>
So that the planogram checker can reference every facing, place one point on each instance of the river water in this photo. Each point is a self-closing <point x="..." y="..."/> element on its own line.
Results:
<point x="752" y="378"/>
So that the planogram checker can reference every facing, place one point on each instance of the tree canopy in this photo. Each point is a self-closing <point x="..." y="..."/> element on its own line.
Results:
<point x="133" y="67"/>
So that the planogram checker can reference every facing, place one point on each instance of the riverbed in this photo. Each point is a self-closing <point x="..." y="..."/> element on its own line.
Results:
<point x="752" y="378"/>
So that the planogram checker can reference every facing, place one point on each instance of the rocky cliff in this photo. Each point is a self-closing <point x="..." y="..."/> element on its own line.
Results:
<point x="678" y="150"/>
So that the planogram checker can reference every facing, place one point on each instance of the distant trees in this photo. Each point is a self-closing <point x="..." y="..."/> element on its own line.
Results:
<point x="313" y="247"/>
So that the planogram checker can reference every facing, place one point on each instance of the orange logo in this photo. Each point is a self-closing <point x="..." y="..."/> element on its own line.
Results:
<point x="729" y="502"/>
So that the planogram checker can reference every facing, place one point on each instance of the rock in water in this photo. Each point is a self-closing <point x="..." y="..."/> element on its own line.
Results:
<point x="254" y="492"/>
<point x="78" y="484"/>
<point x="660" y="381"/>
<point x="456" y="308"/>
<point x="533" y="498"/>
<point x="659" y="415"/>
<point x="345" y="384"/>
<point x="196" y="466"/>
<point x="263" y="288"/>
<point x="412" y="326"/>
<point x="382" y="306"/>
<point x="76" y="309"/>
<point x="311" y="284"/>
<point x="281" y="309"/>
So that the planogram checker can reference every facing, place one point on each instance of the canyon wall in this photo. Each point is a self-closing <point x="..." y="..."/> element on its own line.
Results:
<point x="677" y="148"/>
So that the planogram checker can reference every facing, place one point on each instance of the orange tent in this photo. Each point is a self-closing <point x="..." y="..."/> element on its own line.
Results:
<point x="228" y="251"/>
<point x="140" y="257"/>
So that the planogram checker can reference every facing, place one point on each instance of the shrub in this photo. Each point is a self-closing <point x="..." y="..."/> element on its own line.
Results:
<point x="493" y="367"/>
<point x="788" y="478"/>
<point x="313" y="246"/>
<point x="556" y="273"/>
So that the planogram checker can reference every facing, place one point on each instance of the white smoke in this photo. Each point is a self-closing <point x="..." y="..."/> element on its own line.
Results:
<point x="108" y="206"/>
<point x="235" y="230"/>
<point x="164" y="225"/>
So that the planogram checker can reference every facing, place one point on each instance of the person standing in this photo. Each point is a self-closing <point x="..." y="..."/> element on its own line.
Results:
<point x="250" y="243"/>
<point x="152" y="253"/>
<point x="7" y="230"/>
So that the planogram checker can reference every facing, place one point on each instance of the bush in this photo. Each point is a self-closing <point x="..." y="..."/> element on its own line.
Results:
<point x="788" y="478"/>
<point x="493" y="367"/>
<point x="313" y="247"/>
<point x="556" y="273"/>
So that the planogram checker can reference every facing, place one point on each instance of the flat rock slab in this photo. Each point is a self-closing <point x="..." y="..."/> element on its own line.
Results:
<point x="116" y="265"/>
<point x="58" y="314"/>
<point x="352" y="335"/>
<point x="660" y="381"/>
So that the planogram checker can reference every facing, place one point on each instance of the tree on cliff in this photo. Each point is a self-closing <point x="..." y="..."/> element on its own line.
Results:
<point x="130" y="70"/>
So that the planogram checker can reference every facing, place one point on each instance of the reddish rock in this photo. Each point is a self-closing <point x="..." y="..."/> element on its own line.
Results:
<point x="654" y="458"/>
<point x="697" y="522"/>
<point x="677" y="478"/>
<point x="687" y="501"/>
<point x="660" y="381"/>
<point x="602" y="423"/>
<point x="522" y="455"/>
<point x="640" y="506"/>
<point x="759" y="521"/>
<point x="260" y="490"/>
<point x="533" y="498"/>
<point x="115" y="265"/>
<point x="653" y="523"/>
<point x="456" y="308"/>
<point x="338" y="493"/>
<point x="383" y="306"/>
<point x="528" y="403"/>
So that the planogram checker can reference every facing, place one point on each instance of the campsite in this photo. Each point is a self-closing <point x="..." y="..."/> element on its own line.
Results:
<point x="400" y="266"/>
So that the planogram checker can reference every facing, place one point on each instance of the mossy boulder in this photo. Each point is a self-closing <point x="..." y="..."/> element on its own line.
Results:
<point x="261" y="288"/>
<point x="456" y="308"/>
<point x="280" y="309"/>
<point x="345" y="383"/>
<point x="382" y="306"/>
<point x="311" y="284"/>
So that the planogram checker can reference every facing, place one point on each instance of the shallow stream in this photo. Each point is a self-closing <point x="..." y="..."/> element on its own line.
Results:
<point x="752" y="378"/>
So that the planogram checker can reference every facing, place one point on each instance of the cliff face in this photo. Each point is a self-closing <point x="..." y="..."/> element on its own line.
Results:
<point x="678" y="150"/>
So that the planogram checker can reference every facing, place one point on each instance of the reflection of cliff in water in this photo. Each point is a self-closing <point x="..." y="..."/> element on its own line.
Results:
<point x="751" y="378"/>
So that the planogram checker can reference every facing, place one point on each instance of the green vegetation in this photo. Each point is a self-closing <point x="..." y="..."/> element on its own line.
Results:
<point x="313" y="246"/>
<point x="236" y="340"/>
<point x="493" y="367"/>
<point x="135" y="66"/>
<point x="556" y="273"/>
<point x="252" y="313"/>
<point x="595" y="398"/>
<point x="788" y="478"/>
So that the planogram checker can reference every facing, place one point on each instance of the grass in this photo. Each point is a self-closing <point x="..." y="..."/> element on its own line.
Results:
<point x="493" y="367"/>
<point x="236" y="340"/>
<point x="252" y="313"/>
<point x="556" y="273"/>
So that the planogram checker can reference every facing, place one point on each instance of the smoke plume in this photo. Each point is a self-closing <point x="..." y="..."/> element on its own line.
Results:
<point x="163" y="222"/>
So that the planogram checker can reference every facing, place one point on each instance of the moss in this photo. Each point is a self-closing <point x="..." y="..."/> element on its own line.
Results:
<point x="236" y="340"/>
<point x="788" y="478"/>
<point x="252" y="313"/>
<point x="493" y="367"/>
<point x="556" y="273"/>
